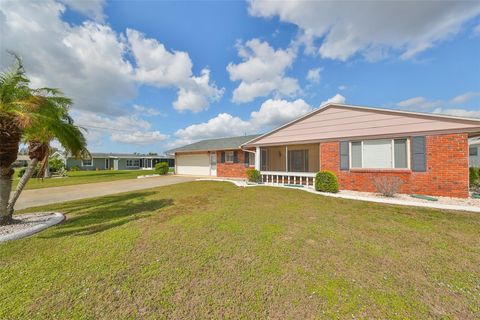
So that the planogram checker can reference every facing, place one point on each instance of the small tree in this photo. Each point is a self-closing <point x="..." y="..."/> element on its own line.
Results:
<point x="254" y="175"/>
<point x="387" y="186"/>
<point x="162" y="168"/>
<point x="56" y="164"/>
<point x="326" y="181"/>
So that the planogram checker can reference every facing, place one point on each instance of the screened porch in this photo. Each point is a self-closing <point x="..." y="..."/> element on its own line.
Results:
<point x="290" y="165"/>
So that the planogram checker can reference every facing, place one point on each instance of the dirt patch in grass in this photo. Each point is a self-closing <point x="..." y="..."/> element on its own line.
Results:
<point x="212" y="250"/>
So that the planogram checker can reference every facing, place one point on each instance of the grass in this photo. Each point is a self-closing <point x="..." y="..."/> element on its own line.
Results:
<point x="80" y="177"/>
<point x="212" y="250"/>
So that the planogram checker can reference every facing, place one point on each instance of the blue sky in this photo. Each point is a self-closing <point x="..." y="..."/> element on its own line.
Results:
<point x="147" y="76"/>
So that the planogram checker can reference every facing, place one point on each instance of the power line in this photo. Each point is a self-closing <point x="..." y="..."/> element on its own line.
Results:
<point x="104" y="128"/>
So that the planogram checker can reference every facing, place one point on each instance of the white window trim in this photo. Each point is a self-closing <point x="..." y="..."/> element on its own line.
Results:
<point x="87" y="165"/>
<point x="133" y="163"/>
<point x="393" y="155"/>
<point x="233" y="156"/>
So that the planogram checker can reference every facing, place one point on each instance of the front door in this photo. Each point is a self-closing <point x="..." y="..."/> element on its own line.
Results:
<point x="115" y="164"/>
<point x="213" y="164"/>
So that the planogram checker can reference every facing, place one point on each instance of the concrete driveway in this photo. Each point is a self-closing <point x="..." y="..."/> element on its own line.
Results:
<point x="39" y="197"/>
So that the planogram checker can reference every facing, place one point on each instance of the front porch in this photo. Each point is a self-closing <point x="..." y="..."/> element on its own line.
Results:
<point x="293" y="165"/>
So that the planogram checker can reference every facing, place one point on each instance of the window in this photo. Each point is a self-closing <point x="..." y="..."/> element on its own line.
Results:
<point x="133" y="162"/>
<point x="229" y="156"/>
<point x="298" y="160"/>
<point x="379" y="154"/>
<point x="473" y="151"/>
<point x="251" y="159"/>
<point x="107" y="163"/>
<point x="87" y="163"/>
<point x="263" y="159"/>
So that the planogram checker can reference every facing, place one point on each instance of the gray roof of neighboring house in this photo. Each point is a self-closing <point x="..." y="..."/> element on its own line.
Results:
<point x="215" y="144"/>
<point x="128" y="155"/>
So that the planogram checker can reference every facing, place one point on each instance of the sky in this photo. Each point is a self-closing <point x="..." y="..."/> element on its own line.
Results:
<point x="148" y="76"/>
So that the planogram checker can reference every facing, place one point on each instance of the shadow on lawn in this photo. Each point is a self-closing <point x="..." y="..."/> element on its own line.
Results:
<point x="96" y="215"/>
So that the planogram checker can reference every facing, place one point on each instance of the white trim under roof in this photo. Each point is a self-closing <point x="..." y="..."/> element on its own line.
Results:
<point x="331" y="104"/>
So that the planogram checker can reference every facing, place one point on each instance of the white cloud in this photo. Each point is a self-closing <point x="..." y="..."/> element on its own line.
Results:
<point x="262" y="71"/>
<point x="139" y="138"/>
<point x="125" y="129"/>
<point x="449" y="107"/>
<point x="462" y="98"/>
<point x="372" y="28"/>
<point x="338" y="98"/>
<point x="86" y="61"/>
<point x="145" y="110"/>
<point x="271" y="114"/>
<point x="159" y="67"/>
<point x="313" y="75"/>
<point x="90" y="8"/>
<point x="418" y="103"/>
<point x="458" y="112"/>
<point x="342" y="87"/>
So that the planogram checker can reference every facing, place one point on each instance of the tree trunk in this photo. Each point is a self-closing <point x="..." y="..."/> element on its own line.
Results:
<point x="21" y="185"/>
<point x="5" y="189"/>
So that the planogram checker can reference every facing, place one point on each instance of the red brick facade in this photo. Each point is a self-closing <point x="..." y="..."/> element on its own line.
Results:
<point x="446" y="175"/>
<point x="232" y="170"/>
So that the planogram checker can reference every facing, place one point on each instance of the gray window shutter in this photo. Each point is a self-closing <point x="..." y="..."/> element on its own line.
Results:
<point x="235" y="157"/>
<point x="222" y="157"/>
<point x="246" y="158"/>
<point x="344" y="155"/>
<point x="419" y="154"/>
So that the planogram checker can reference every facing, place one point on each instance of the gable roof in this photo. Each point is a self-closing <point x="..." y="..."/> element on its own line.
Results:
<point x="340" y="121"/>
<point x="215" y="144"/>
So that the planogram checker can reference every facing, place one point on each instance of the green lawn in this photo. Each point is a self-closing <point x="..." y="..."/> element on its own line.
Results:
<point x="212" y="250"/>
<point x="79" y="177"/>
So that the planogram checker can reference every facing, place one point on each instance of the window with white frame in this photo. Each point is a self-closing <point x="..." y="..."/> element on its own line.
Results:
<point x="473" y="151"/>
<point x="87" y="163"/>
<point x="251" y="159"/>
<point x="229" y="156"/>
<point x="380" y="154"/>
<point x="133" y="162"/>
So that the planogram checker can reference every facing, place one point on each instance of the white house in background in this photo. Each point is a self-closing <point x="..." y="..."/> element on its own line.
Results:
<point x="474" y="153"/>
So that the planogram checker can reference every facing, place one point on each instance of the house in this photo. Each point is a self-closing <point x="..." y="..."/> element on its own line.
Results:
<point x="215" y="157"/>
<point x="429" y="153"/>
<point x="474" y="153"/>
<point x="118" y="161"/>
<point x="21" y="161"/>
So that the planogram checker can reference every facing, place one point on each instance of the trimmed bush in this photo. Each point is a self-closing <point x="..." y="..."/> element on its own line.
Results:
<point x="21" y="172"/>
<point x="254" y="175"/>
<point x="55" y="164"/>
<point x="162" y="168"/>
<point x="474" y="176"/>
<point x="387" y="186"/>
<point x="74" y="168"/>
<point x="326" y="181"/>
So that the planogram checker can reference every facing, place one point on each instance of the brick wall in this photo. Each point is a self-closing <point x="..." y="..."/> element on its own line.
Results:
<point x="446" y="175"/>
<point x="232" y="170"/>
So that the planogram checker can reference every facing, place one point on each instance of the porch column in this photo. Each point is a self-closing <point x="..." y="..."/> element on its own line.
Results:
<point x="257" y="158"/>
<point x="286" y="158"/>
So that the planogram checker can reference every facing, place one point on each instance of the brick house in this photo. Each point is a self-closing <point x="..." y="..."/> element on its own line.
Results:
<point x="428" y="152"/>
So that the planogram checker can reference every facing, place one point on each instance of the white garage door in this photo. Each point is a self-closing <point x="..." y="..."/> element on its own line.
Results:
<point x="196" y="164"/>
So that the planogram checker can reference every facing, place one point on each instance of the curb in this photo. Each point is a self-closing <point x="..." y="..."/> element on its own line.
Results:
<point x="56" y="219"/>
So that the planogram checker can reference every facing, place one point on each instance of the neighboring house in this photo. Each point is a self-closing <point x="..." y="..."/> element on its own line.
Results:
<point x="215" y="157"/>
<point x="119" y="161"/>
<point x="22" y="160"/>
<point x="474" y="153"/>
<point x="428" y="152"/>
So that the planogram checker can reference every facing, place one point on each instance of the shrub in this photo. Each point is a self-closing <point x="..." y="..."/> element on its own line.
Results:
<point x="55" y="164"/>
<point x="326" y="181"/>
<point x="474" y="176"/>
<point x="74" y="168"/>
<point x="21" y="172"/>
<point x="161" y="168"/>
<point x="387" y="186"/>
<point x="254" y="175"/>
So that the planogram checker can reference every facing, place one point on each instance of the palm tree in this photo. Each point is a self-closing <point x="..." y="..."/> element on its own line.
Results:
<point x="17" y="109"/>
<point x="37" y="115"/>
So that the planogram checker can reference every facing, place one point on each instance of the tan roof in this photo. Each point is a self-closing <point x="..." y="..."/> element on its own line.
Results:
<point x="340" y="121"/>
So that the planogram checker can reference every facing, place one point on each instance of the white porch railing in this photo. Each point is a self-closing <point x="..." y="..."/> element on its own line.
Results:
<point x="276" y="178"/>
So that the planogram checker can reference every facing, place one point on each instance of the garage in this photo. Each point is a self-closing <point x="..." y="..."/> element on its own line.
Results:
<point x="194" y="164"/>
